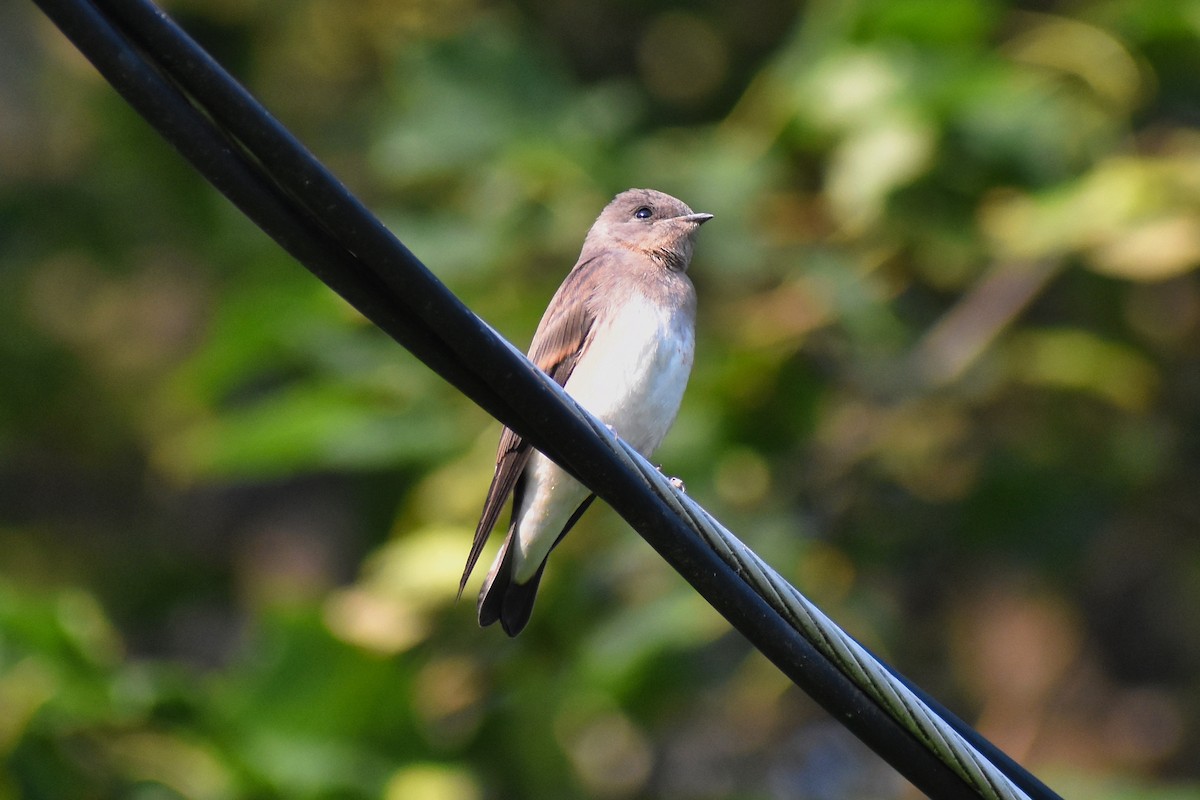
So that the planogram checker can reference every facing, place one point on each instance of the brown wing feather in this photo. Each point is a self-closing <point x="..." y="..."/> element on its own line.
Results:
<point x="561" y="337"/>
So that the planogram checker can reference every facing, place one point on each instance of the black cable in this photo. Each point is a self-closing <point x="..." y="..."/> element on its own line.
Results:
<point x="261" y="168"/>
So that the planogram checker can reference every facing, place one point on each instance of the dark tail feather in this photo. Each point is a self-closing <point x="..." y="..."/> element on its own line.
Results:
<point x="503" y="599"/>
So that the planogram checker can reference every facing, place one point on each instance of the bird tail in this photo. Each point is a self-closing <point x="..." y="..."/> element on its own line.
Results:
<point x="505" y="600"/>
<point x="501" y="597"/>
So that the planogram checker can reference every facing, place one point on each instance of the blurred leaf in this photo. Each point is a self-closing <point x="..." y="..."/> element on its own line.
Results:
<point x="1080" y="361"/>
<point x="309" y="427"/>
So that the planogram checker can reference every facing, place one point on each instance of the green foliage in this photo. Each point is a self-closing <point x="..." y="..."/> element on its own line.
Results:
<point x="945" y="382"/>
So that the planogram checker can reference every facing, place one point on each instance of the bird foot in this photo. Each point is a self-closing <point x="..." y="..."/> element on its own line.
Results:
<point x="676" y="483"/>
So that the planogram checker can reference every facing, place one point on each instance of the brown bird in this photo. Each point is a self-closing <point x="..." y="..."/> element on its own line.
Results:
<point x="618" y="336"/>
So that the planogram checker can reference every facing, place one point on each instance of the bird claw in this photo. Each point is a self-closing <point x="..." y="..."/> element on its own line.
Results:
<point x="676" y="483"/>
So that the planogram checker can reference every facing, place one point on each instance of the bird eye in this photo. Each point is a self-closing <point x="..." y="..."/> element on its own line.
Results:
<point x="643" y="213"/>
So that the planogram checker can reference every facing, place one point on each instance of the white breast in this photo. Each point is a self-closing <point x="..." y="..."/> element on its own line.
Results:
<point x="633" y="375"/>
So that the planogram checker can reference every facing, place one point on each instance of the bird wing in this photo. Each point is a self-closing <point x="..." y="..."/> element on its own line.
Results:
<point x="562" y="337"/>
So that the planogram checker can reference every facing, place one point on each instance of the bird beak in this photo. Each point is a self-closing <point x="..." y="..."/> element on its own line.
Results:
<point x="697" y="219"/>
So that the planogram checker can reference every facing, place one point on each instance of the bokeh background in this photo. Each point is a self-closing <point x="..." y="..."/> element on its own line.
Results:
<point x="948" y="382"/>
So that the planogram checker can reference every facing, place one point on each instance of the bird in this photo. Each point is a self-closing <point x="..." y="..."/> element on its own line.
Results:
<point x="619" y="337"/>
